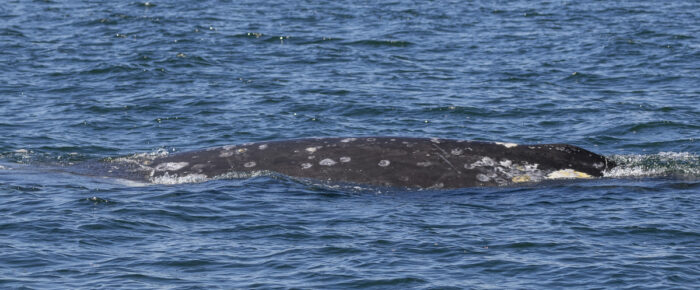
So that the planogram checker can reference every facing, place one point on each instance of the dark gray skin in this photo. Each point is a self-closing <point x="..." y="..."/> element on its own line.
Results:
<point x="381" y="161"/>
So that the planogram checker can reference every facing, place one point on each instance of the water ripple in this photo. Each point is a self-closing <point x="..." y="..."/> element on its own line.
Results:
<point x="88" y="81"/>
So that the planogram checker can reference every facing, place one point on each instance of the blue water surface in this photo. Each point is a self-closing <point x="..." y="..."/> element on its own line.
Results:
<point x="86" y="80"/>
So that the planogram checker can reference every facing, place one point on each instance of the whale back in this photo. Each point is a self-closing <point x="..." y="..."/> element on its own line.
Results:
<point x="388" y="161"/>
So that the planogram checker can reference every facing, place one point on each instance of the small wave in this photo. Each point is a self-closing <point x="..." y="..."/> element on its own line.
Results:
<point x="380" y="43"/>
<point x="664" y="164"/>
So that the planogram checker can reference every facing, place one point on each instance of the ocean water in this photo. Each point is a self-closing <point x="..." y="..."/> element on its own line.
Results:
<point x="82" y="81"/>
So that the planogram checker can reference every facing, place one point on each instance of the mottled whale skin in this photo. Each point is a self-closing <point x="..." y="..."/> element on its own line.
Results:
<point x="383" y="161"/>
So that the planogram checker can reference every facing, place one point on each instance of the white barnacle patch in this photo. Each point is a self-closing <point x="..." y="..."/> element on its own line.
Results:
<point x="384" y="163"/>
<point x="249" y="164"/>
<point x="424" y="163"/>
<point x="262" y="147"/>
<point x="346" y="140"/>
<point x="435" y="140"/>
<point x="225" y="153"/>
<point x="505" y="172"/>
<point x="456" y="151"/>
<point x="507" y="145"/>
<point x="371" y="139"/>
<point x="327" y="162"/>
<point x="229" y="147"/>
<point x="345" y="159"/>
<point x="485" y="161"/>
<point x="306" y="165"/>
<point x="241" y="150"/>
<point x="311" y="150"/>
<point x="171" y="166"/>
<point x="482" y="177"/>
<point x="311" y="157"/>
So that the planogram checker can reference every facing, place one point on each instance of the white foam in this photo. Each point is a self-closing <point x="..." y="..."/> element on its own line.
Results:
<point x="683" y="164"/>
<point x="169" y="179"/>
<point x="176" y="179"/>
<point x="141" y="160"/>
<point x="140" y="157"/>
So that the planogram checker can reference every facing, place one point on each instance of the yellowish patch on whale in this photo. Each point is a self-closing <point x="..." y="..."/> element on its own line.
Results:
<point x="521" y="178"/>
<point x="567" y="173"/>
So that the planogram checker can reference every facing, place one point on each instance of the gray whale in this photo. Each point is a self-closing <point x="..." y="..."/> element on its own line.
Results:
<point x="376" y="161"/>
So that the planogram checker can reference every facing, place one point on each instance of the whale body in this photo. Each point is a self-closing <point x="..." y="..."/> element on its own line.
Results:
<point x="376" y="161"/>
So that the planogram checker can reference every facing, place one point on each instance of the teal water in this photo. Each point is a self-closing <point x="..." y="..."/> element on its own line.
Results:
<point x="82" y="81"/>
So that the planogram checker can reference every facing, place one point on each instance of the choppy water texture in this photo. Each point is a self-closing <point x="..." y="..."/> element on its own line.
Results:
<point x="82" y="81"/>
